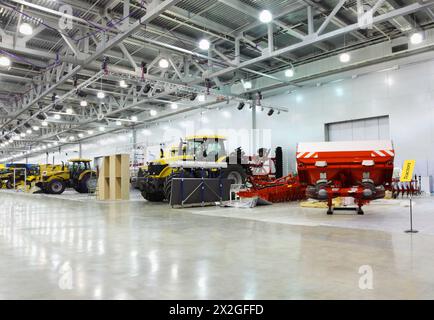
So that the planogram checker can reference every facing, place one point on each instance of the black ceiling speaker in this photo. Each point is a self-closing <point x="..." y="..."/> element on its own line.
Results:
<point x="17" y="131"/>
<point x="270" y="113"/>
<point x="193" y="96"/>
<point x="241" y="105"/>
<point x="28" y="126"/>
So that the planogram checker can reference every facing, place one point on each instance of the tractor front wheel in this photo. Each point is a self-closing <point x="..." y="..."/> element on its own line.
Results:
<point x="236" y="173"/>
<point x="55" y="187"/>
<point x="87" y="184"/>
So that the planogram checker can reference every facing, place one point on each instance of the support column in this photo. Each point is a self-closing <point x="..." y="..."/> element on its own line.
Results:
<point x="79" y="150"/>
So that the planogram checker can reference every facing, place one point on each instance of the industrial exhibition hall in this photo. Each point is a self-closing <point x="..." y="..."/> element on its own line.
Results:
<point x="210" y="150"/>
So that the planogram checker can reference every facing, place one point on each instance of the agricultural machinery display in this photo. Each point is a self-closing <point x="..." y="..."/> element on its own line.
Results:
<point x="359" y="169"/>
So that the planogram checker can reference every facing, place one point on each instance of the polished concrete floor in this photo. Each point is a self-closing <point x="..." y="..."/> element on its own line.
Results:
<point x="52" y="248"/>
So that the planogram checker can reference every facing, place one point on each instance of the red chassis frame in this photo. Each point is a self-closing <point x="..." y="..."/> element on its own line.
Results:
<point x="363" y="172"/>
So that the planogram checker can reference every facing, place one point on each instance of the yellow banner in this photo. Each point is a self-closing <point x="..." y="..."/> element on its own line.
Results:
<point x="407" y="170"/>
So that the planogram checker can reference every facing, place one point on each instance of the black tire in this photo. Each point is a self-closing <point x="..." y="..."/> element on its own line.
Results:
<point x="153" y="197"/>
<point x="235" y="172"/>
<point x="56" y="187"/>
<point x="9" y="185"/>
<point x="86" y="182"/>
<point x="279" y="162"/>
<point x="168" y="183"/>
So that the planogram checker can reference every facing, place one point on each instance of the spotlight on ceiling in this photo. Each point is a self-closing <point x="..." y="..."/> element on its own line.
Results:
<point x="41" y="116"/>
<point x="163" y="63"/>
<point x="26" y="29"/>
<point x="265" y="16"/>
<point x="147" y="88"/>
<point x="416" y="38"/>
<point x="204" y="44"/>
<point x="193" y="96"/>
<point x="270" y="113"/>
<point x="241" y="105"/>
<point x="345" y="57"/>
<point x="5" y="62"/>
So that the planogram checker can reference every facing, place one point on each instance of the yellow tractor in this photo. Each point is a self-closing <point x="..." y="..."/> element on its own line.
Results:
<point x="77" y="174"/>
<point x="21" y="171"/>
<point x="156" y="181"/>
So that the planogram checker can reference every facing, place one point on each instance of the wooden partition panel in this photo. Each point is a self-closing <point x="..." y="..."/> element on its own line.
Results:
<point x="114" y="178"/>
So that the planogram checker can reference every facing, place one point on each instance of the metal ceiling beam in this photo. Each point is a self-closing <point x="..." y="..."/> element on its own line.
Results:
<point x="318" y="38"/>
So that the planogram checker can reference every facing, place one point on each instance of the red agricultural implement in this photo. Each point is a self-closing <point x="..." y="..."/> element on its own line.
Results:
<point x="358" y="169"/>
<point x="412" y="188"/>
<point x="274" y="190"/>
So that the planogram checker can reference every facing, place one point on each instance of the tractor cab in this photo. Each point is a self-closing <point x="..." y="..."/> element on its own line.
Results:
<point x="205" y="148"/>
<point x="78" y="166"/>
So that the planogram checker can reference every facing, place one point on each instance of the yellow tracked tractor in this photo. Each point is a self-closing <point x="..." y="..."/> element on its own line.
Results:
<point x="77" y="174"/>
<point x="155" y="183"/>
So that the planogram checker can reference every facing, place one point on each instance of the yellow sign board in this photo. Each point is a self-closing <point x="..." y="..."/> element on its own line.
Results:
<point x="407" y="170"/>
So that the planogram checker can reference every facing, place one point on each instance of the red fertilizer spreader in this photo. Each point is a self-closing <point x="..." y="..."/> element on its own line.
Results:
<point x="359" y="169"/>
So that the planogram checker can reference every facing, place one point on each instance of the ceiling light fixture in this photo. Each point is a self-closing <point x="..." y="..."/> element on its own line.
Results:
<point x="57" y="116"/>
<point x="201" y="98"/>
<point x="289" y="73"/>
<point x="26" y="29"/>
<point x="265" y="16"/>
<point x="174" y="106"/>
<point x="100" y="95"/>
<point x="416" y="38"/>
<point x="83" y="103"/>
<point x="5" y="61"/>
<point x="44" y="123"/>
<point x="163" y="63"/>
<point x="345" y="57"/>
<point x="204" y="44"/>
<point x="153" y="112"/>
<point x="134" y="118"/>
<point x="247" y="85"/>
<point x="69" y="111"/>
<point x="123" y="84"/>
<point x="118" y="123"/>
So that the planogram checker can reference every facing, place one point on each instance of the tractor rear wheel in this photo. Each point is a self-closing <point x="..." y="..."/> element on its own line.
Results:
<point x="87" y="184"/>
<point x="56" y="187"/>
<point x="236" y="173"/>
<point x="9" y="185"/>
<point x="153" y="197"/>
<point x="168" y="183"/>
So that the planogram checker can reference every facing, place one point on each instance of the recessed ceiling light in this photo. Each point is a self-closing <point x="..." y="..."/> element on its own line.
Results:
<point x="26" y="29"/>
<point x="5" y="61"/>
<point x="265" y="16"/>
<point x="163" y="63"/>
<point x="204" y="44"/>
<point x="345" y="57"/>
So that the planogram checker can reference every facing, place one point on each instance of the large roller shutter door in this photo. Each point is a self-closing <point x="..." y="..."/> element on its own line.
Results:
<point x="361" y="129"/>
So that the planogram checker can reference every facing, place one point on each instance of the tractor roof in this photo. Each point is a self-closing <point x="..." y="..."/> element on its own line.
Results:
<point x="79" y="160"/>
<point x="205" y="136"/>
